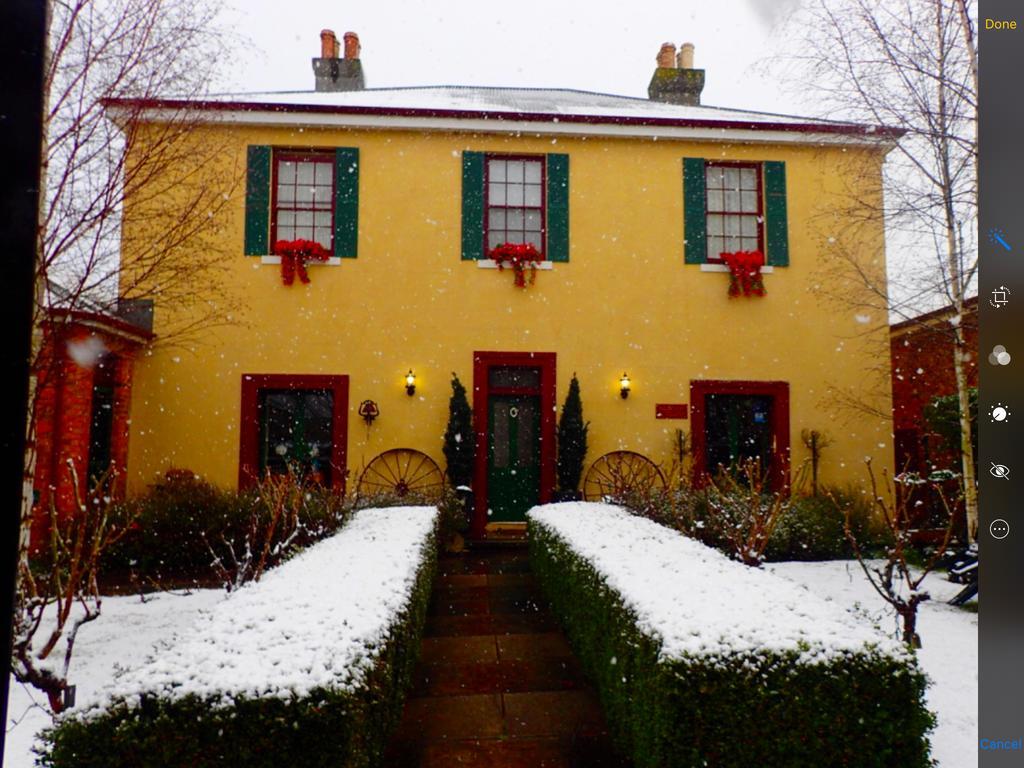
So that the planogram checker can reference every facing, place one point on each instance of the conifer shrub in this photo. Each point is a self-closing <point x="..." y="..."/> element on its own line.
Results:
<point x="572" y="443"/>
<point x="459" y="438"/>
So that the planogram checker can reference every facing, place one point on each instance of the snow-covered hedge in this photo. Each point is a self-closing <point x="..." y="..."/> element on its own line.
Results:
<point x="309" y="666"/>
<point x="700" y="660"/>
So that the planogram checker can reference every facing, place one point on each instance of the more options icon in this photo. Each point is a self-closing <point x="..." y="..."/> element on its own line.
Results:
<point x="999" y="528"/>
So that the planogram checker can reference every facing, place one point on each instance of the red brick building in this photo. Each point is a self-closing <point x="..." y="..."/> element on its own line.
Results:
<point x="82" y="407"/>
<point x="922" y="369"/>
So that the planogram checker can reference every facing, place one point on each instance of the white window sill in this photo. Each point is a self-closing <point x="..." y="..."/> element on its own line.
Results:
<point x="492" y="264"/>
<point x="722" y="268"/>
<point x="333" y="261"/>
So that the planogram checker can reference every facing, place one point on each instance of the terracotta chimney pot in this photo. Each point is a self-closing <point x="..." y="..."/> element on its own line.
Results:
<point x="667" y="55"/>
<point x="684" y="60"/>
<point x="351" y="45"/>
<point x="328" y="44"/>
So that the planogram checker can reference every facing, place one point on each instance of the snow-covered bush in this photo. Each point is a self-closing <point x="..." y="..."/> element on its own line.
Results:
<point x="308" y="666"/>
<point x="179" y="521"/>
<point x="812" y="529"/>
<point x="702" y="661"/>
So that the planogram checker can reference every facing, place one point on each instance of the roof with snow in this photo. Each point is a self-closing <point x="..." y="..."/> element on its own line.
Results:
<point x="507" y="106"/>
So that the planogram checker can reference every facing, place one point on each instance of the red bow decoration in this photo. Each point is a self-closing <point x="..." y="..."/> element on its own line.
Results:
<point x="745" y="273"/>
<point x="295" y="254"/>
<point x="519" y="256"/>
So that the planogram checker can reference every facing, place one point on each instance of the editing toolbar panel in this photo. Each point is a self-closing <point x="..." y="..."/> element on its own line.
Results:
<point x="1001" y="384"/>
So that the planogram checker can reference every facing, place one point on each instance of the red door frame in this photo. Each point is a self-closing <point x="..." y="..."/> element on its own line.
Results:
<point x="249" y="428"/>
<point x="482" y="363"/>
<point x="777" y="390"/>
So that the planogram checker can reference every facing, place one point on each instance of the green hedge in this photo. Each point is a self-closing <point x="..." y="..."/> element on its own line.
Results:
<point x="326" y="728"/>
<point x="740" y="710"/>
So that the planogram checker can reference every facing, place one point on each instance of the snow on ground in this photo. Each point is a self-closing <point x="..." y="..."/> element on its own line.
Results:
<point x="949" y="652"/>
<point x="123" y="635"/>
<point x="699" y="602"/>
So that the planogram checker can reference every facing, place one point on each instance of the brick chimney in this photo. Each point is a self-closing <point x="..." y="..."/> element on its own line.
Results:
<point x="338" y="74"/>
<point x="675" y="81"/>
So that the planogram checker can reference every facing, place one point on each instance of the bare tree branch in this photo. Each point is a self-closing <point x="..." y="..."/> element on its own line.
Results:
<point x="910" y="64"/>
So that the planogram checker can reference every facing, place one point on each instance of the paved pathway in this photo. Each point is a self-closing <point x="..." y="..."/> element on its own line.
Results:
<point x="497" y="684"/>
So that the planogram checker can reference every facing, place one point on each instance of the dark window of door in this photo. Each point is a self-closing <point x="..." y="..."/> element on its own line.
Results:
<point x="101" y="420"/>
<point x="513" y="376"/>
<point x="296" y="432"/>
<point x="738" y="428"/>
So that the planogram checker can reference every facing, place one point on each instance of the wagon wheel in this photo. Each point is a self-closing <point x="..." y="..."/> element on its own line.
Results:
<point x="619" y="471"/>
<point x="403" y="472"/>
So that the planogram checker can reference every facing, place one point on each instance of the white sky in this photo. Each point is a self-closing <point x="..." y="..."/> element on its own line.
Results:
<point x="600" y="46"/>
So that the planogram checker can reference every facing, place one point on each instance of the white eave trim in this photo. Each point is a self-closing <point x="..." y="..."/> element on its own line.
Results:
<point x="552" y="127"/>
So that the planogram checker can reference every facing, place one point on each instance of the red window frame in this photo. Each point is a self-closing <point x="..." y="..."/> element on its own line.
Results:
<point x="249" y="429"/>
<point x="758" y="172"/>
<point x="542" y="159"/>
<point x="279" y="156"/>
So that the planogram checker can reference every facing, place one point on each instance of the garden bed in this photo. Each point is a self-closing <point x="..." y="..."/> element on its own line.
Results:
<point x="702" y="661"/>
<point x="308" y="666"/>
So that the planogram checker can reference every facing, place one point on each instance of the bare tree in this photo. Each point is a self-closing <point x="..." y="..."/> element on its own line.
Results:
<point x="746" y="510"/>
<point x="59" y="593"/>
<point x="112" y="183"/>
<point x="894" y="579"/>
<point x="910" y="65"/>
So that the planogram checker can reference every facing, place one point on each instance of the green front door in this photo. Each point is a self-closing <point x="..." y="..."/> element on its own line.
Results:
<point x="513" y="457"/>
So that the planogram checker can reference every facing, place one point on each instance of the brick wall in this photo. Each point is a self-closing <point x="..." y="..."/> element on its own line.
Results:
<point x="922" y="369"/>
<point x="63" y="417"/>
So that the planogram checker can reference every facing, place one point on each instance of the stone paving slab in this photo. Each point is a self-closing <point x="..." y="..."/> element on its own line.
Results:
<point x="458" y="650"/>
<point x="531" y="647"/>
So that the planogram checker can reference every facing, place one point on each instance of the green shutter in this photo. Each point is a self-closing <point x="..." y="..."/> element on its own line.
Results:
<point x="472" y="205"/>
<point x="776" y="224"/>
<point x="695" y="222"/>
<point x="557" y="208"/>
<point x="346" y="202"/>
<point x="257" y="202"/>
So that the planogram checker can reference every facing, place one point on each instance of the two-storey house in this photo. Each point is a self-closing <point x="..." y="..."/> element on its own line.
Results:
<point x="631" y="203"/>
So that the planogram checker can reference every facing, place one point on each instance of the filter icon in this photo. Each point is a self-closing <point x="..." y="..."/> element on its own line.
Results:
<point x="999" y="355"/>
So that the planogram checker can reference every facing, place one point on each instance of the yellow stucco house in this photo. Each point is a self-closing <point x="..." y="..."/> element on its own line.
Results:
<point x="631" y="203"/>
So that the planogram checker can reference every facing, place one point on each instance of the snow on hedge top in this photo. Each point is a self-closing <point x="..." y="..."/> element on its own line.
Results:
<point x="698" y="602"/>
<point x="317" y="620"/>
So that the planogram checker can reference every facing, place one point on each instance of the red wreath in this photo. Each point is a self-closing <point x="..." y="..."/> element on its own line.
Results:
<point x="745" y="273"/>
<point x="295" y="254"/>
<point x="519" y="256"/>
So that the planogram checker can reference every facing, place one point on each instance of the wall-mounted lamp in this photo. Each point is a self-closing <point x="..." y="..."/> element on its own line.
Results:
<point x="624" y="386"/>
<point x="410" y="383"/>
